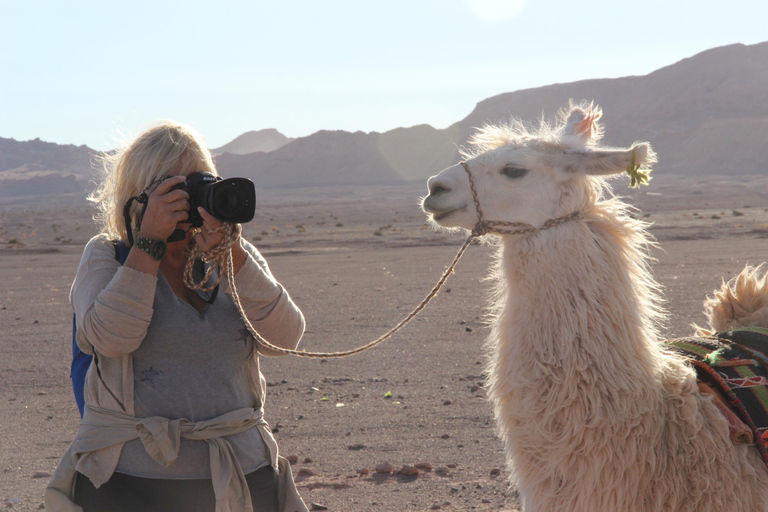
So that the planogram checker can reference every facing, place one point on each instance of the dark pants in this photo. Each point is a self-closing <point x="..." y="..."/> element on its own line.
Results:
<point x="125" y="493"/>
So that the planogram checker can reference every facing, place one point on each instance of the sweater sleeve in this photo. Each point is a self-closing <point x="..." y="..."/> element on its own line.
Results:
<point x="113" y="304"/>
<point x="267" y="304"/>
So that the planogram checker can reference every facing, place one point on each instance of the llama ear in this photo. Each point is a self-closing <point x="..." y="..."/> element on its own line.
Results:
<point x="636" y="161"/>
<point x="581" y="124"/>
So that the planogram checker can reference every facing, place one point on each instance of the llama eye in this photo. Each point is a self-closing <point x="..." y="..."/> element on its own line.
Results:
<point x="514" y="172"/>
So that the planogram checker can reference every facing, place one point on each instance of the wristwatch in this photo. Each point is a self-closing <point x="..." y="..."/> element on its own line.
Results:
<point x="155" y="248"/>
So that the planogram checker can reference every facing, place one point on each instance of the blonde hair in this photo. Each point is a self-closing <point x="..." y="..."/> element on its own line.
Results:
<point x="165" y="148"/>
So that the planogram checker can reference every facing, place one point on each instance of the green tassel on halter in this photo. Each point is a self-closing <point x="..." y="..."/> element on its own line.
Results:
<point x="636" y="176"/>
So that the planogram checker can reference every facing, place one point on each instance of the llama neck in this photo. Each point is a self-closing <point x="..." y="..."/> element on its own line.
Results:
<point x="576" y="313"/>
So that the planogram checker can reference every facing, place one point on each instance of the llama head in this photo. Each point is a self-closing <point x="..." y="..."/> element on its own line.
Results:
<point x="532" y="175"/>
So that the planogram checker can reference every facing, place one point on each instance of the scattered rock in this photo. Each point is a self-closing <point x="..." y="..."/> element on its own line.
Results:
<point x="475" y="388"/>
<point x="737" y="213"/>
<point x="306" y="472"/>
<point x="495" y="472"/>
<point x="319" y="506"/>
<point x="308" y="460"/>
<point x="409" y="471"/>
<point x="356" y="447"/>
<point x="452" y="466"/>
<point x="293" y="459"/>
<point x="442" y="471"/>
<point x="447" y="402"/>
<point x="445" y="436"/>
<point x="41" y="474"/>
<point x="385" y="467"/>
<point x="440" y="505"/>
<point x="424" y="466"/>
<point x="468" y="329"/>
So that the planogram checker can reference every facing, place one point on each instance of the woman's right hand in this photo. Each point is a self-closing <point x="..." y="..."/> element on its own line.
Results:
<point x="165" y="209"/>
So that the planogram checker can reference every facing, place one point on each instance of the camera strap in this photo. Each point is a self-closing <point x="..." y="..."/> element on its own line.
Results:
<point x="142" y="198"/>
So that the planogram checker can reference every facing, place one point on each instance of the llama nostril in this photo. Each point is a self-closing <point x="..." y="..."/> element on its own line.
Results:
<point x="437" y="190"/>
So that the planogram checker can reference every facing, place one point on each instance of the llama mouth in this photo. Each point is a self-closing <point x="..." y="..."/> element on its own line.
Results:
<point x="436" y="216"/>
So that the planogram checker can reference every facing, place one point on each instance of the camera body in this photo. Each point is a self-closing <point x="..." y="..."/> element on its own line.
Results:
<point x="231" y="200"/>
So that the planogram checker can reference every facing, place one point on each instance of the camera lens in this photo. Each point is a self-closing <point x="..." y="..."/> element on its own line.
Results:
<point x="228" y="202"/>
<point x="233" y="200"/>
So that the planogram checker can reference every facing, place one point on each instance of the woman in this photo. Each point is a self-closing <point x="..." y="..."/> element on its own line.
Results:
<point x="174" y="396"/>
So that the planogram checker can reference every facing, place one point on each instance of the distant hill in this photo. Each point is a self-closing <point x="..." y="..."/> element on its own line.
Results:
<point x="254" y="141"/>
<point x="705" y="115"/>
<point x="36" y="167"/>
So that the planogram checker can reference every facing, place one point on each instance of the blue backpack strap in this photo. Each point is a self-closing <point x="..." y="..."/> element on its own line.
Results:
<point x="80" y="360"/>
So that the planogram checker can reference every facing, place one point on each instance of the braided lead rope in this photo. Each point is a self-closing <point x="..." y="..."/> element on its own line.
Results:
<point x="217" y="256"/>
<point x="261" y="341"/>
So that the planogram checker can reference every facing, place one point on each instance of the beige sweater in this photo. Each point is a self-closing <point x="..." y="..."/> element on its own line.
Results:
<point x="105" y="295"/>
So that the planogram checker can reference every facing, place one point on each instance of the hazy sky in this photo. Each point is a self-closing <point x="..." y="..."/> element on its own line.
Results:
<point x="85" y="72"/>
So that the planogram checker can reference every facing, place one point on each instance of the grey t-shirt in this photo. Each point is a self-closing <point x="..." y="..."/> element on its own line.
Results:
<point x="193" y="366"/>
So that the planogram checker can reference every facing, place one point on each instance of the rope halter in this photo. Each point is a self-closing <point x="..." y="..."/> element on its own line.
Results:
<point x="484" y="227"/>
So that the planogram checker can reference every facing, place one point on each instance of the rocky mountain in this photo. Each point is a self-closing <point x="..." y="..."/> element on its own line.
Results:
<point x="705" y="115"/>
<point x="36" y="167"/>
<point x="251" y="142"/>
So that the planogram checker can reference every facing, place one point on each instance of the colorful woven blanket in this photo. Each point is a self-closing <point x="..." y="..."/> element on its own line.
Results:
<point x="735" y="363"/>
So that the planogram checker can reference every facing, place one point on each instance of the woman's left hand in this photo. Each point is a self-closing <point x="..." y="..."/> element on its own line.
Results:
<point x="208" y="238"/>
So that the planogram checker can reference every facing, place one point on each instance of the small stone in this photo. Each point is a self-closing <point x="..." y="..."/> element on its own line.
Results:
<point x="475" y="388"/>
<point x="447" y="402"/>
<point x="41" y="474"/>
<point x="445" y="436"/>
<point x="485" y="501"/>
<point x="293" y="459"/>
<point x="424" y="466"/>
<point x="409" y="471"/>
<point x="468" y="329"/>
<point x="442" y="471"/>
<point x="356" y="447"/>
<point x="385" y="467"/>
<point x="364" y="471"/>
<point x="306" y="472"/>
<point x="308" y="460"/>
<point x="495" y="472"/>
<point x="319" y="506"/>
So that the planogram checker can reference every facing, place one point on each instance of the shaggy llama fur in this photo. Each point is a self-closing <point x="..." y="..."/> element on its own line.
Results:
<point x="741" y="302"/>
<point x="595" y="416"/>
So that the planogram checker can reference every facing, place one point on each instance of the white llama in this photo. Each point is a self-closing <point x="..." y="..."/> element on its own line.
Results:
<point x="594" y="415"/>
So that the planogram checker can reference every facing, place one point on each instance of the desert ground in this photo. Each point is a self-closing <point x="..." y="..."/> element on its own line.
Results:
<point x="356" y="261"/>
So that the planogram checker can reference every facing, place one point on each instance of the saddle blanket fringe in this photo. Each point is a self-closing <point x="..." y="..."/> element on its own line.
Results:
<point x="735" y="364"/>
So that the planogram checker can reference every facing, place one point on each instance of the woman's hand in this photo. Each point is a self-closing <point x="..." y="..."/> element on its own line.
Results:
<point x="209" y="237"/>
<point x="165" y="209"/>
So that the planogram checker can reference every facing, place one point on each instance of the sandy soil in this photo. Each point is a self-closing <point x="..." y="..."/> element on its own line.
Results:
<point x="356" y="261"/>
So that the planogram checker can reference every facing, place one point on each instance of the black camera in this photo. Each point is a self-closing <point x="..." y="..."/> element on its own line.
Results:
<point x="230" y="200"/>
